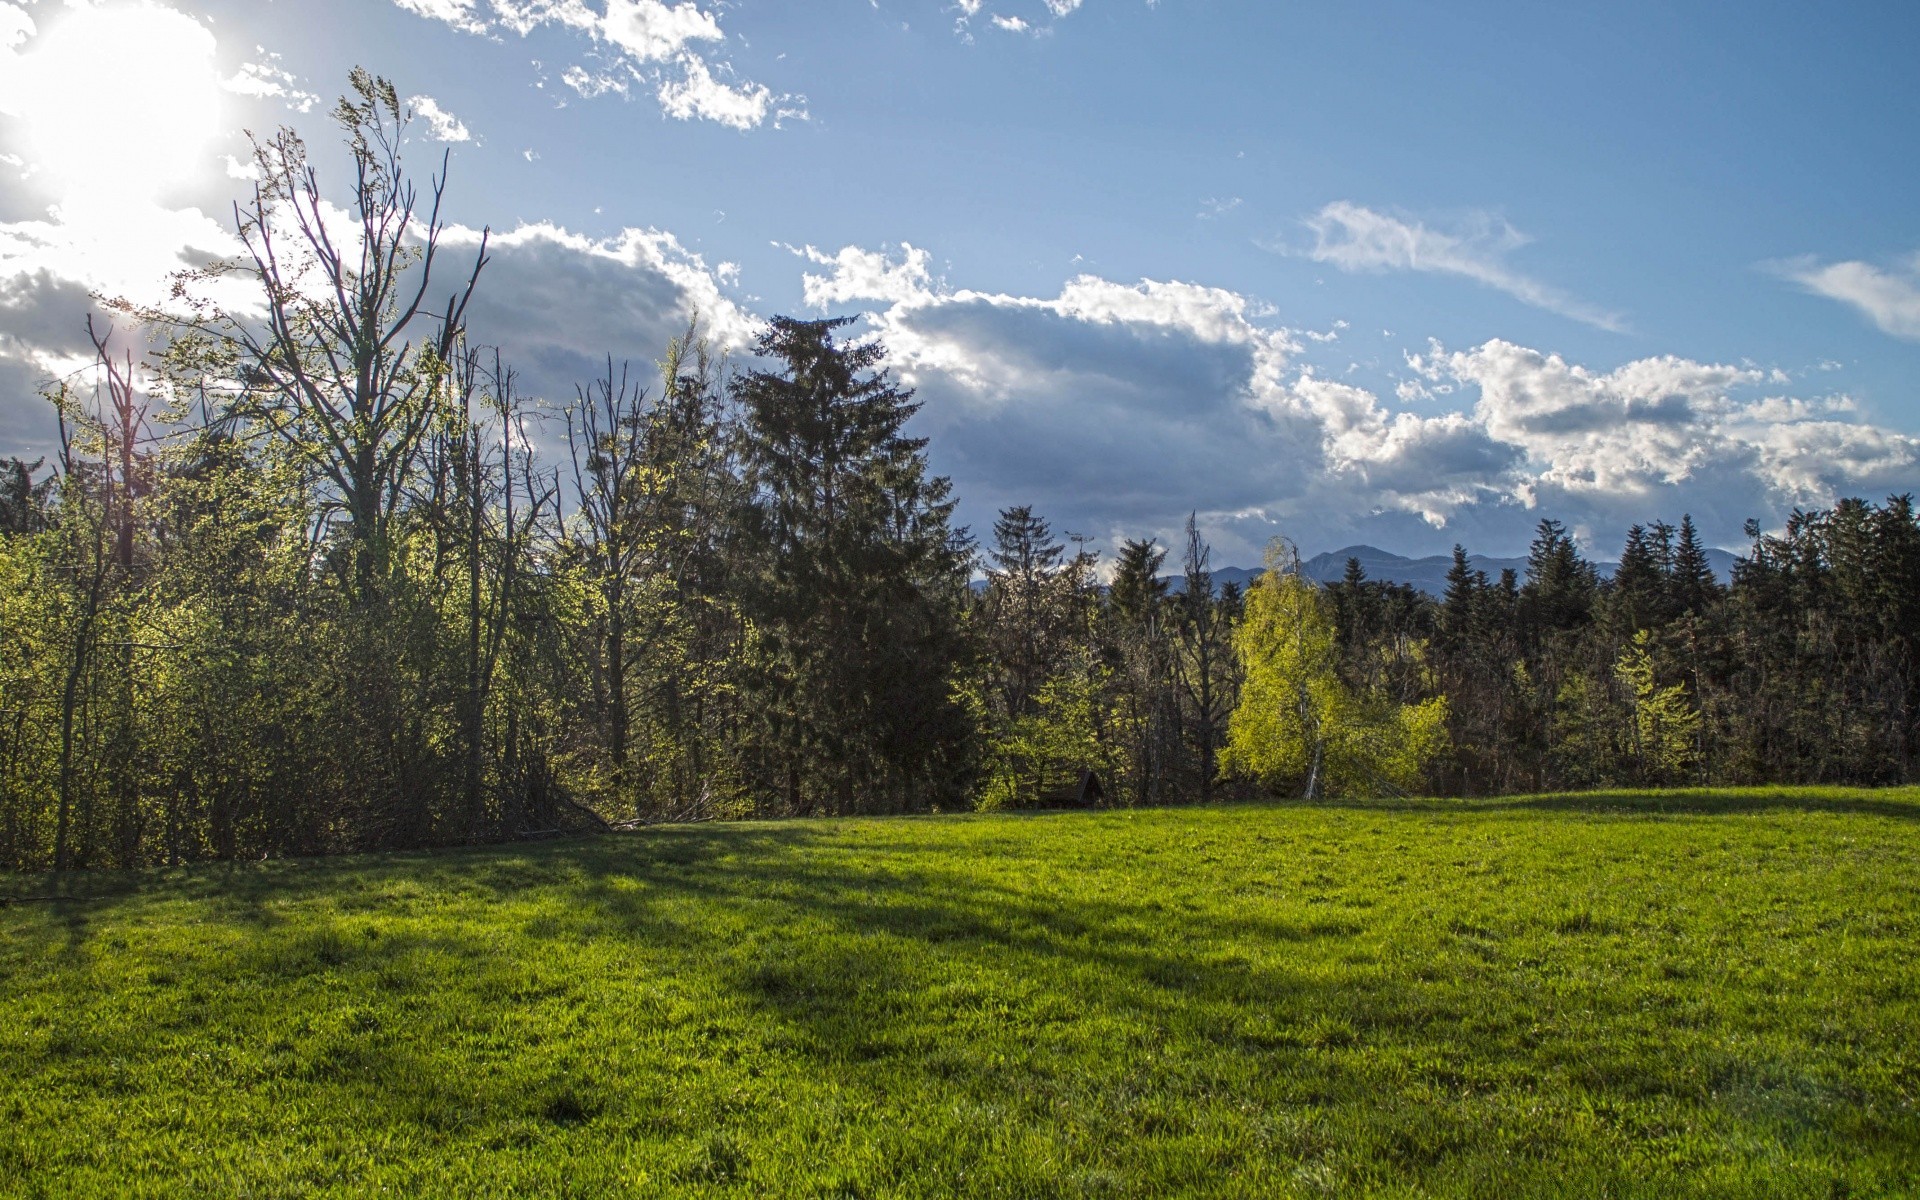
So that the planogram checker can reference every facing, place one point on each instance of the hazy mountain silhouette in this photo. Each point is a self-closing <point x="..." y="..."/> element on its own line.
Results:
<point x="1429" y="574"/>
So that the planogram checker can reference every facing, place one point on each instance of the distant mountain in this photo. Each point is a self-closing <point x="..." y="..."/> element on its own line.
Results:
<point x="1428" y="574"/>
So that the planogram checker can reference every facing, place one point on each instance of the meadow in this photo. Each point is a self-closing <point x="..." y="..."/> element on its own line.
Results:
<point x="1668" y="994"/>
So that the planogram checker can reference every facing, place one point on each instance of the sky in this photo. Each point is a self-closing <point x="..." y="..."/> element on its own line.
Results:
<point x="1400" y="273"/>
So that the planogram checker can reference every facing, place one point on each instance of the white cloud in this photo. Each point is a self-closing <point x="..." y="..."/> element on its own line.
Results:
<point x="559" y="302"/>
<point x="1115" y="408"/>
<point x="269" y="80"/>
<point x="1046" y="14"/>
<point x="866" y="275"/>
<point x="699" y="94"/>
<point x="651" y="31"/>
<point x="442" y="126"/>
<point x="1355" y="238"/>
<point x="1890" y="299"/>
<point x="15" y="26"/>
<point x="457" y="13"/>
<point x="592" y="83"/>
<point x="1658" y="425"/>
<point x="660" y="45"/>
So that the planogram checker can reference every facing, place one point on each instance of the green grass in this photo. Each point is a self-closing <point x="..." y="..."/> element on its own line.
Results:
<point x="1708" y="994"/>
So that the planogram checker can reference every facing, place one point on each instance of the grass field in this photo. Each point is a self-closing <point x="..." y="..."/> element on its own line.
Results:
<point x="1706" y="994"/>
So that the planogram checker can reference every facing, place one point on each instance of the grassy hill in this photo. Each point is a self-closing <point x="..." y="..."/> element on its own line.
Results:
<point x="1709" y="994"/>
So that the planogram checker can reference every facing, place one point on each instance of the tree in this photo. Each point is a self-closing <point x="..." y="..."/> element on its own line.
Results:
<point x="650" y="487"/>
<point x="1028" y="608"/>
<point x="1560" y="587"/>
<point x="1137" y="589"/>
<point x="351" y="362"/>
<point x="23" y="499"/>
<point x="1203" y="660"/>
<point x="1137" y="645"/>
<point x="1297" y="723"/>
<point x="1640" y="585"/>
<point x="1695" y="587"/>
<point x="855" y="583"/>
<point x="1664" y="722"/>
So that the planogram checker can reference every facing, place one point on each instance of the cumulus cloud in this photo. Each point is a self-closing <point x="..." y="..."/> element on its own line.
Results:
<point x="15" y="26"/>
<point x="651" y="31"/>
<point x="1115" y="407"/>
<point x="865" y="275"/>
<point x="458" y="13"/>
<point x="558" y="302"/>
<point x="442" y="126"/>
<point x="1356" y="238"/>
<point x="698" y="94"/>
<point x="1888" y="298"/>
<point x="664" y="46"/>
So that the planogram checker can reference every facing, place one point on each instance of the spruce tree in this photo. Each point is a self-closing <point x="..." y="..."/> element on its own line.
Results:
<point x="854" y="580"/>
<point x="1137" y="588"/>
<point x="1638" y="583"/>
<point x="1695" y="586"/>
<point x="1560" y="583"/>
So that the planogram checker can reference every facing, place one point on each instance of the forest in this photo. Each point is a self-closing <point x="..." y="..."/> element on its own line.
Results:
<point x="315" y="576"/>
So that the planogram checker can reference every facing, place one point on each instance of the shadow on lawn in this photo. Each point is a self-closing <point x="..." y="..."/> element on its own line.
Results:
<point x="849" y="943"/>
<point x="861" y="945"/>
<point x="987" y="965"/>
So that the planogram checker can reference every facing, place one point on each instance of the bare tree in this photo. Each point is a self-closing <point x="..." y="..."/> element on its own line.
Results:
<point x="351" y="360"/>
<point x="103" y="470"/>
<point x="1203" y="656"/>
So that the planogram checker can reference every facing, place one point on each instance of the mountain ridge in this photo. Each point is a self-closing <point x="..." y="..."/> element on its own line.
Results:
<point x="1429" y="574"/>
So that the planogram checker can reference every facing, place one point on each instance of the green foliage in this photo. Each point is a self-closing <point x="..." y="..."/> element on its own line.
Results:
<point x="1076" y="723"/>
<point x="1659" y="995"/>
<point x="1664" y="724"/>
<point x="853" y="581"/>
<point x="1298" y="724"/>
<point x="344" y="604"/>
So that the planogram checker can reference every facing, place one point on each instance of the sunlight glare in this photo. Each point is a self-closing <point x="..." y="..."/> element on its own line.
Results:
<point x="118" y="102"/>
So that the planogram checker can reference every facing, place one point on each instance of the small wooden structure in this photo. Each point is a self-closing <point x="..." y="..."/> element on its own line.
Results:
<point x="1083" y="791"/>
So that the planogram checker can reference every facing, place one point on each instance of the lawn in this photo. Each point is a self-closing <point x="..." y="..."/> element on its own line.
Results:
<point x="1706" y="994"/>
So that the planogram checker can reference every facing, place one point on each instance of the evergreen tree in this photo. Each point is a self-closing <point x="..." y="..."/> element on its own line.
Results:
<point x="1639" y="585"/>
<point x="1695" y="586"/>
<point x="1203" y="662"/>
<point x="855" y="584"/>
<point x="1461" y="604"/>
<point x="23" y="499"/>
<point x="1560" y="586"/>
<point x="1137" y="589"/>
<point x="1027" y="615"/>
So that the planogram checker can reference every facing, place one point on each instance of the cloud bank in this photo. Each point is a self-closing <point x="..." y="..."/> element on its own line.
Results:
<point x="1115" y="407"/>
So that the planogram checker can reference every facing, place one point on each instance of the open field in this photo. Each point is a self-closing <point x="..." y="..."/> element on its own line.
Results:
<point x="1709" y="994"/>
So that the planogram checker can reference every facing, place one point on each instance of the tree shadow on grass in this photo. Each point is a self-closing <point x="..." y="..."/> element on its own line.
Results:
<point x="875" y="957"/>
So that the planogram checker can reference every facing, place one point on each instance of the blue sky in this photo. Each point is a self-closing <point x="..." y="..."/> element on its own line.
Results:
<point x="1399" y="273"/>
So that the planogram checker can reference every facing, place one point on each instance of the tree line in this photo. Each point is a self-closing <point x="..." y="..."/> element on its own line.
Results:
<point x="313" y="577"/>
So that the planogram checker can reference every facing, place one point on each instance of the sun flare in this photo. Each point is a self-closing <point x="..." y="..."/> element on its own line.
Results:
<point x="117" y="102"/>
